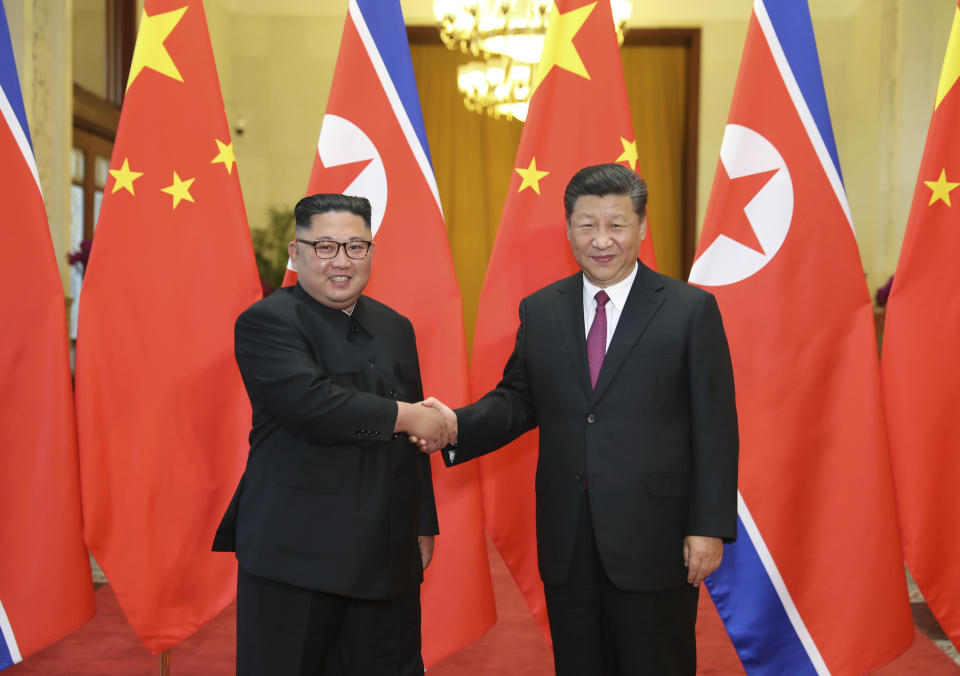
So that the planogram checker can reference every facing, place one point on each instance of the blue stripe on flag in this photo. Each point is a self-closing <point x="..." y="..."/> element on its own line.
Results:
<point x="5" y="659"/>
<point x="385" y="22"/>
<point x="794" y="28"/>
<point x="9" y="82"/>
<point x="6" y="631"/>
<point x="750" y="608"/>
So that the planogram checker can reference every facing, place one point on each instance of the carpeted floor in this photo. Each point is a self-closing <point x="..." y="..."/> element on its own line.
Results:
<point x="106" y="646"/>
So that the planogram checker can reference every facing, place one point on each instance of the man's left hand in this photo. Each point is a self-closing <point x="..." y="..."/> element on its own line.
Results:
<point x="426" y="549"/>
<point x="701" y="556"/>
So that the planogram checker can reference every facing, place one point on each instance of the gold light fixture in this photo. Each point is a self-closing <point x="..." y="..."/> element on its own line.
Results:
<point x="508" y="37"/>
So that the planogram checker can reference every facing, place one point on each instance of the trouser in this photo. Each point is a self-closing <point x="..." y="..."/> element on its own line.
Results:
<point x="600" y="630"/>
<point x="285" y="630"/>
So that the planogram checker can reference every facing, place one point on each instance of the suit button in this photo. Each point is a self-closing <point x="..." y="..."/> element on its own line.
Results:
<point x="396" y="477"/>
<point x="370" y="361"/>
<point x="579" y="476"/>
<point x="393" y="393"/>
<point x="591" y="418"/>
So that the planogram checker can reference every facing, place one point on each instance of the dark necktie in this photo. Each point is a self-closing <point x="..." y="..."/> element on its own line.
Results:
<point x="597" y="338"/>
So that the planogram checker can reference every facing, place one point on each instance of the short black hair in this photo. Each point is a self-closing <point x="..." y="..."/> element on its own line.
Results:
<point x="325" y="202"/>
<point x="606" y="179"/>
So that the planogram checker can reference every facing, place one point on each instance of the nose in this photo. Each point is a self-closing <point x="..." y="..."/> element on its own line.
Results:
<point x="602" y="240"/>
<point x="341" y="260"/>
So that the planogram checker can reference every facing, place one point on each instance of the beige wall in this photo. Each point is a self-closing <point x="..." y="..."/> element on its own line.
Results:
<point x="42" y="39"/>
<point x="880" y="58"/>
<point x="275" y="73"/>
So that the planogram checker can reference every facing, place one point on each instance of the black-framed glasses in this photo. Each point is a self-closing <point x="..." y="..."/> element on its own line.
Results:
<point x="356" y="249"/>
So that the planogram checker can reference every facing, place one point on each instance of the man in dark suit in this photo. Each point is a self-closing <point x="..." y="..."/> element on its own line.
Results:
<point x="627" y="373"/>
<point x="333" y="520"/>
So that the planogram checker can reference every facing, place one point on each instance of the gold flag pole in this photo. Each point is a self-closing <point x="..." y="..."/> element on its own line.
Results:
<point x="165" y="663"/>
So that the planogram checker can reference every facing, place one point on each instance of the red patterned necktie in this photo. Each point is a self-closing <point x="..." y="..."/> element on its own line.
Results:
<point x="597" y="338"/>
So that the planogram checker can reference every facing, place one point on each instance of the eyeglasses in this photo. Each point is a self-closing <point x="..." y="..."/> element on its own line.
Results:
<point x="356" y="249"/>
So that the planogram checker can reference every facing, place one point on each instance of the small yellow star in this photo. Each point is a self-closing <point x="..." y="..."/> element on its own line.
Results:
<point x="149" y="51"/>
<point x="124" y="177"/>
<point x="941" y="188"/>
<point x="225" y="155"/>
<point x="558" y="49"/>
<point x="531" y="176"/>
<point x="180" y="190"/>
<point x="629" y="153"/>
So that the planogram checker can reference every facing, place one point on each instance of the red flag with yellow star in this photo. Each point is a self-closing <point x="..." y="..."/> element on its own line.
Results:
<point x="578" y="116"/>
<point x="162" y="413"/>
<point x="919" y="366"/>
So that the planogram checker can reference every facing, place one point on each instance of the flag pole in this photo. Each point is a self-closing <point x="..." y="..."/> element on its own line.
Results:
<point x="165" y="663"/>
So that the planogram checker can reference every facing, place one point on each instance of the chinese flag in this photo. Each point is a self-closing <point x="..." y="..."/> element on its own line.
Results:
<point x="162" y="413"/>
<point x="373" y="143"/>
<point x="578" y="116"/>
<point x="814" y="583"/>
<point x="919" y="365"/>
<point x="45" y="586"/>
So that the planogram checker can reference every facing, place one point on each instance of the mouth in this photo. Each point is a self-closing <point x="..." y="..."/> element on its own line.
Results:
<point x="603" y="259"/>
<point x="340" y="279"/>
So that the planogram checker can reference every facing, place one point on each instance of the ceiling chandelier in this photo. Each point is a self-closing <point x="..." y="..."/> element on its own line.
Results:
<point x="507" y="37"/>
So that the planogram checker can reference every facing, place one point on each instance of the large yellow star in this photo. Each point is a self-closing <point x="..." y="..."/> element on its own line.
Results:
<point x="149" y="51"/>
<point x="225" y="155"/>
<point x="951" y="62"/>
<point x="180" y="190"/>
<point x="941" y="188"/>
<point x="558" y="49"/>
<point x="531" y="176"/>
<point x="124" y="177"/>
<point x="629" y="153"/>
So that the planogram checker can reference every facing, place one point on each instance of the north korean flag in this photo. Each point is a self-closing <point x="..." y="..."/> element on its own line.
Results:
<point x="815" y="584"/>
<point x="373" y="143"/>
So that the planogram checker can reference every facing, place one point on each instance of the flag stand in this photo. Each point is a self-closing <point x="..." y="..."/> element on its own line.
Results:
<point x="165" y="663"/>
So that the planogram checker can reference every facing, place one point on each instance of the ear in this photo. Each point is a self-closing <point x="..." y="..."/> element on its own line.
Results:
<point x="643" y="228"/>
<point x="294" y="254"/>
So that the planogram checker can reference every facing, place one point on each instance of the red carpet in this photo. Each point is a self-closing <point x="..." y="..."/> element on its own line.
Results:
<point x="107" y="646"/>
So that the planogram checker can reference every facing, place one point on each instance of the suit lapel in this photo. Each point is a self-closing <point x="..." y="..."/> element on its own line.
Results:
<point x="568" y="309"/>
<point x="646" y="296"/>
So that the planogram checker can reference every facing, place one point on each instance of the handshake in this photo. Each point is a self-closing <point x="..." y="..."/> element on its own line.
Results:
<point x="430" y="424"/>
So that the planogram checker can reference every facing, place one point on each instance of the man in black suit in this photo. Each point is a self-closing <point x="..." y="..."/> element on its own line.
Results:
<point x="627" y="373"/>
<point x="333" y="520"/>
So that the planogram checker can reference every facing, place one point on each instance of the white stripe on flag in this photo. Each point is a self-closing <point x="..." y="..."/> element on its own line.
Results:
<point x="384" y="75"/>
<point x="8" y="636"/>
<point x="802" y="109"/>
<point x="778" y="584"/>
<point x="19" y="136"/>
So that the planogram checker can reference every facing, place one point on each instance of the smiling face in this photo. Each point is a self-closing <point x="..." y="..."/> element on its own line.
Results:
<point x="605" y="234"/>
<point x="335" y="282"/>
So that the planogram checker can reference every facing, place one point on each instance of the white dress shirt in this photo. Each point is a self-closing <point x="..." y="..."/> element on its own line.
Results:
<point x="618" y="298"/>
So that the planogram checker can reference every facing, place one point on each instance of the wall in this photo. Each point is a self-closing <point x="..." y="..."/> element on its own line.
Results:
<point x="275" y="73"/>
<point x="41" y="32"/>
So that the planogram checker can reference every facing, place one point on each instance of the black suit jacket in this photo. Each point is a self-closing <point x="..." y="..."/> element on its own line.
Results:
<point x="331" y="499"/>
<point x="656" y="441"/>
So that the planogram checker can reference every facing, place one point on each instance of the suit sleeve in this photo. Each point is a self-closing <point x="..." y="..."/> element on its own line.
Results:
<point x="501" y="415"/>
<point x="429" y="523"/>
<point x="713" y="504"/>
<point x="277" y="370"/>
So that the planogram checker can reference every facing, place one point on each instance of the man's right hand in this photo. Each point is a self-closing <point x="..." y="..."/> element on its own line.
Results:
<point x="425" y="426"/>
<point x="451" y="422"/>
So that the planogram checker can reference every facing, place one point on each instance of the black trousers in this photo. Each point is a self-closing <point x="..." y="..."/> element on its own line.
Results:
<point x="600" y="630"/>
<point x="284" y="630"/>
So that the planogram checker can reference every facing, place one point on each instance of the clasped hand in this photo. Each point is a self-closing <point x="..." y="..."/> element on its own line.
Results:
<point x="429" y="424"/>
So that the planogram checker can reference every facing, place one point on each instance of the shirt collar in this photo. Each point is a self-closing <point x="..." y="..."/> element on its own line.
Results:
<point x="338" y="318"/>
<point x="618" y="292"/>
